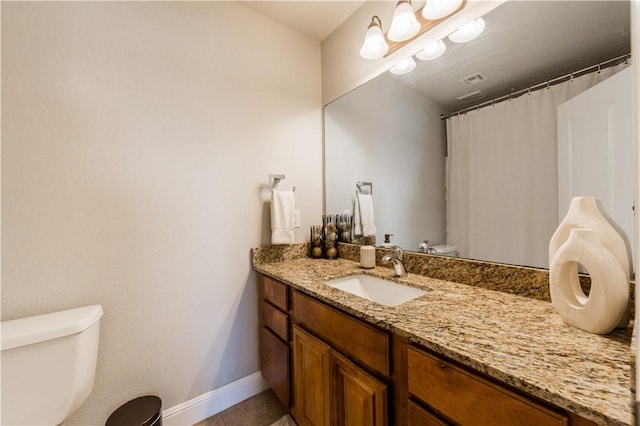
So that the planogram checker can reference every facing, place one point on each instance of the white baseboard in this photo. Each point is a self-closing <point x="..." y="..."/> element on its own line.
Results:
<point x="215" y="401"/>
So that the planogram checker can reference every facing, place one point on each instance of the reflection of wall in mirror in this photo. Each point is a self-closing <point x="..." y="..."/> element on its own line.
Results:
<point x="399" y="145"/>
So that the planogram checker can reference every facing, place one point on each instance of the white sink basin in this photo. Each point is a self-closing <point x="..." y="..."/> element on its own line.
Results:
<point x="378" y="290"/>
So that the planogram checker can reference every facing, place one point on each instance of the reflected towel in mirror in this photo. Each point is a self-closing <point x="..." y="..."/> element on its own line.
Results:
<point x="363" y="218"/>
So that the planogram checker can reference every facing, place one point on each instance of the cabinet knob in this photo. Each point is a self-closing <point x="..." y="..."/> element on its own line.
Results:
<point x="443" y="365"/>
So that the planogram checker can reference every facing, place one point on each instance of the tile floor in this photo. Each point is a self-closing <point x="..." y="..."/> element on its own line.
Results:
<point x="260" y="410"/>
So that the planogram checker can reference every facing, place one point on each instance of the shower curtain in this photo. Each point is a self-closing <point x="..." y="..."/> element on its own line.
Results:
<point x="502" y="179"/>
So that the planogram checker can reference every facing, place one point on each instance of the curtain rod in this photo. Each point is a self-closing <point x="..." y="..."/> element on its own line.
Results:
<point x="605" y="64"/>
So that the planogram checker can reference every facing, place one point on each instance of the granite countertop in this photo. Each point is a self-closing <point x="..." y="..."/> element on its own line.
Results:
<point x="517" y="340"/>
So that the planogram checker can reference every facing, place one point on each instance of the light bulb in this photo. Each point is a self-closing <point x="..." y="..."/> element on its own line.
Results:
<point x="468" y="31"/>
<point x="436" y="9"/>
<point x="432" y="51"/>
<point x="403" y="67"/>
<point x="374" y="45"/>
<point x="404" y="24"/>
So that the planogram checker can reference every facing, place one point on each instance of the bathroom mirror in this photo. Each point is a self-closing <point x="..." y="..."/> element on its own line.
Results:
<point x="389" y="131"/>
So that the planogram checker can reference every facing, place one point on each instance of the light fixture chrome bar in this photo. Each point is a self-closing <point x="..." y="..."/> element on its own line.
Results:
<point x="425" y="25"/>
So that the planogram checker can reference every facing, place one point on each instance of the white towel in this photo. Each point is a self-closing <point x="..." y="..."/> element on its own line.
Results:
<point x="363" y="219"/>
<point x="282" y="205"/>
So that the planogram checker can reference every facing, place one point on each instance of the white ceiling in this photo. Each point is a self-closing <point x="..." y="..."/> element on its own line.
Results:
<point x="315" y="18"/>
<point x="525" y="43"/>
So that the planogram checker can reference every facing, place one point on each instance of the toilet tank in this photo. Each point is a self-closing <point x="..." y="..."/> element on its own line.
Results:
<point x="48" y="365"/>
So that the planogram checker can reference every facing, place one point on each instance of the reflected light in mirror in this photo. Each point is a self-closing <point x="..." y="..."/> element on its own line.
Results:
<point x="374" y="45"/>
<point x="432" y="51"/>
<point x="436" y="9"/>
<point x="403" y="67"/>
<point x="404" y="24"/>
<point x="468" y="31"/>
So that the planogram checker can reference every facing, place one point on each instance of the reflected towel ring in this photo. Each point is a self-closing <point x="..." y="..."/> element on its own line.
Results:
<point x="360" y="184"/>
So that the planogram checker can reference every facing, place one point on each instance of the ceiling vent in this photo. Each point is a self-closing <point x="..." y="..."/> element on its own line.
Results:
<point x="471" y="97"/>
<point x="473" y="79"/>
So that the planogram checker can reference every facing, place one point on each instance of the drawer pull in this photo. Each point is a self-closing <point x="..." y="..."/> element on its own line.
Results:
<point x="443" y="366"/>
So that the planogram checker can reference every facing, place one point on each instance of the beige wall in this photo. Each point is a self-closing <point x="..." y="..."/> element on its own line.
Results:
<point x="135" y="139"/>
<point x="400" y="147"/>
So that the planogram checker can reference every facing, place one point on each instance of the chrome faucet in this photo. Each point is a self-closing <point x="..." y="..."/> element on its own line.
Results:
<point x="396" y="259"/>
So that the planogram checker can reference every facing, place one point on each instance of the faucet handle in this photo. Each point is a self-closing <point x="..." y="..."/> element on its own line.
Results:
<point x="398" y="252"/>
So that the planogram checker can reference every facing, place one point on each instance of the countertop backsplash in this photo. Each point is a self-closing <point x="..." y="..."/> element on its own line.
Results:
<point x="519" y="280"/>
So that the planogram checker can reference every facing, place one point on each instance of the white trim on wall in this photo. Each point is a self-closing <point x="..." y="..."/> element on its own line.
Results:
<point x="215" y="401"/>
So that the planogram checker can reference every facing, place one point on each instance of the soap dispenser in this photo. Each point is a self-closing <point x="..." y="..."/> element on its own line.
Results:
<point x="387" y="240"/>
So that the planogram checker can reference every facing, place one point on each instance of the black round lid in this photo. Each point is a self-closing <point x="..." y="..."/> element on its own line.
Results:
<point x="142" y="411"/>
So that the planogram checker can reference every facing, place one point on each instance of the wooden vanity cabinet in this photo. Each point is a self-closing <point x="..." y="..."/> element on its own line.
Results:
<point x="329" y="387"/>
<point x="349" y="336"/>
<point x="275" y="352"/>
<point x="331" y="368"/>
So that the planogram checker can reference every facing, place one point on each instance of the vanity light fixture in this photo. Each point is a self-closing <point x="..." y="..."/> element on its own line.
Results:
<point x="432" y="51"/>
<point x="404" y="24"/>
<point x="436" y="9"/>
<point x="403" y="67"/>
<point x="468" y="31"/>
<point x="374" y="46"/>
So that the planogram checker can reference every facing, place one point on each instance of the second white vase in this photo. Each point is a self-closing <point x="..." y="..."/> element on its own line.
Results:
<point x="608" y="300"/>
<point x="584" y="213"/>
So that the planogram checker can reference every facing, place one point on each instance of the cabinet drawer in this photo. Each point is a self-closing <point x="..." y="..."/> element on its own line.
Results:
<point x="274" y="292"/>
<point x="418" y="416"/>
<point x="275" y="365"/>
<point x="349" y="336"/>
<point x="275" y="320"/>
<point x="468" y="399"/>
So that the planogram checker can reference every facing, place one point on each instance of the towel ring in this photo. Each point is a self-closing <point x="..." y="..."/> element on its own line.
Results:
<point x="360" y="184"/>
<point x="274" y="179"/>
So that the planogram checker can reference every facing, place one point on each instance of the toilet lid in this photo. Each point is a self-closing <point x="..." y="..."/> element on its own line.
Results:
<point x="39" y="328"/>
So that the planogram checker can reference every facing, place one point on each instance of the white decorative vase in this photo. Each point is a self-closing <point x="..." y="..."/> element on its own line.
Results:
<point x="586" y="237"/>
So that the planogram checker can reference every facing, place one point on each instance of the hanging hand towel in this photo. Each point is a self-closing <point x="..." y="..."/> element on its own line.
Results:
<point x="363" y="220"/>
<point x="282" y="205"/>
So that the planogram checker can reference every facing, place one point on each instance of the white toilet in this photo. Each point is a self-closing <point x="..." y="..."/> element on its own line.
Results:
<point x="48" y="365"/>
<point x="444" y="250"/>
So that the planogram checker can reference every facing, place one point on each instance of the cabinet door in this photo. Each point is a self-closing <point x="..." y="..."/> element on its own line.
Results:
<point x="357" y="398"/>
<point x="311" y="404"/>
<point x="274" y="361"/>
